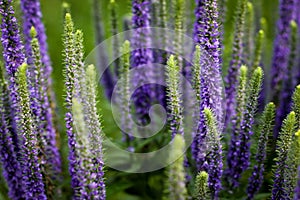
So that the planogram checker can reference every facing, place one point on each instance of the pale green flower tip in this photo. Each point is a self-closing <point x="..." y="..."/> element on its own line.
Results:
<point x="261" y="33"/>
<point x="23" y="68"/>
<point x="293" y="24"/>
<point x="79" y="32"/>
<point x="259" y="72"/>
<point x="68" y="18"/>
<point x="203" y="175"/>
<point x="76" y="106"/>
<point x="126" y="47"/>
<point x="263" y="23"/>
<point x="172" y="61"/>
<point x="250" y="6"/>
<point x="179" y="143"/>
<point x="263" y="20"/>
<point x="271" y="104"/>
<point x="112" y="2"/>
<point x="207" y="112"/>
<point x="298" y="87"/>
<point x="90" y="71"/>
<point x="198" y="47"/>
<point x="33" y="32"/>
<point x="297" y="134"/>
<point x="65" y="5"/>
<point x="292" y="115"/>
<point x="244" y="70"/>
<point x="126" y="43"/>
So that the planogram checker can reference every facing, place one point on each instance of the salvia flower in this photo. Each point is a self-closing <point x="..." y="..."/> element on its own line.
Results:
<point x="237" y="53"/>
<point x="41" y="110"/>
<point x="283" y="147"/>
<point x="241" y="157"/>
<point x="175" y="185"/>
<point x="108" y="79"/>
<point x="96" y="180"/>
<point x="249" y="34"/>
<point x="32" y="17"/>
<point x="248" y="120"/>
<point x="289" y="84"/>
<point x="174" y="96"/>
<point x="198" y="146"/>
<point x="235" y="142"/>
<point x="293" y="162"/>
<point x="82" y="149"/>
<point x="69" y="61"/>
<point x="202" y="191"/>
<point x="9" y="162"/>
<point x="178" y="26"/>
<point x="163" y="18"/>
<point x="214" y="154"/>
<point x="32" y="178"/>
<point x="142" y="57"/>
<point x="79" y="91"/>
<point x="13" y="56"/>
<point x="281" y="48"/>
<point x="114" y="32"/>
<point x="266" y="130"/>
<point x="125" y="78"/>
<point x="258" y="49"/>
<point x="207" y="35"/>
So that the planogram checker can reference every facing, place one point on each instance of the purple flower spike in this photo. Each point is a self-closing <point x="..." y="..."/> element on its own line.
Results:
<point x="43" y="116"/>
<point x="141" y="57"/>
<point x="282" y="48"/>
<point x="236" y="62"/>
<point x="207" y="36"/>
<point x="32" y="176"/>
<point x="32" y="17"/>
<point x="13" y="56"/>
<point x="9" y="162"/>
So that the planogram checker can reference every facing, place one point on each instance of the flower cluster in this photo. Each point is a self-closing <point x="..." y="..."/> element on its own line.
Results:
<point x="44" y="157"/>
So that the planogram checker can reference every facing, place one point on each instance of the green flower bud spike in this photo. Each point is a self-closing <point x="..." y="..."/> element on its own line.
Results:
<point x="202" y="186"/>
<point x="176" y="189"/>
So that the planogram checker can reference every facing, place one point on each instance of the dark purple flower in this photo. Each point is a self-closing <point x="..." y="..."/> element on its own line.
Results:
<point x="207" y="35"/>
<point x="9" y="162"/>
<point x="281" y="48"/>
<point x="13" y="57"/>
<point x="214" y="154"/>
<point x="141" y="57"/>
<point x="70" y="66"/>
<point x="288" y="84"/>
<point x="42" y="114"/>
<point x="236" y="61"/>
<point x="32" y="17"/>
<point x="107" y="80"/>
<point x="241" y="157"/>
